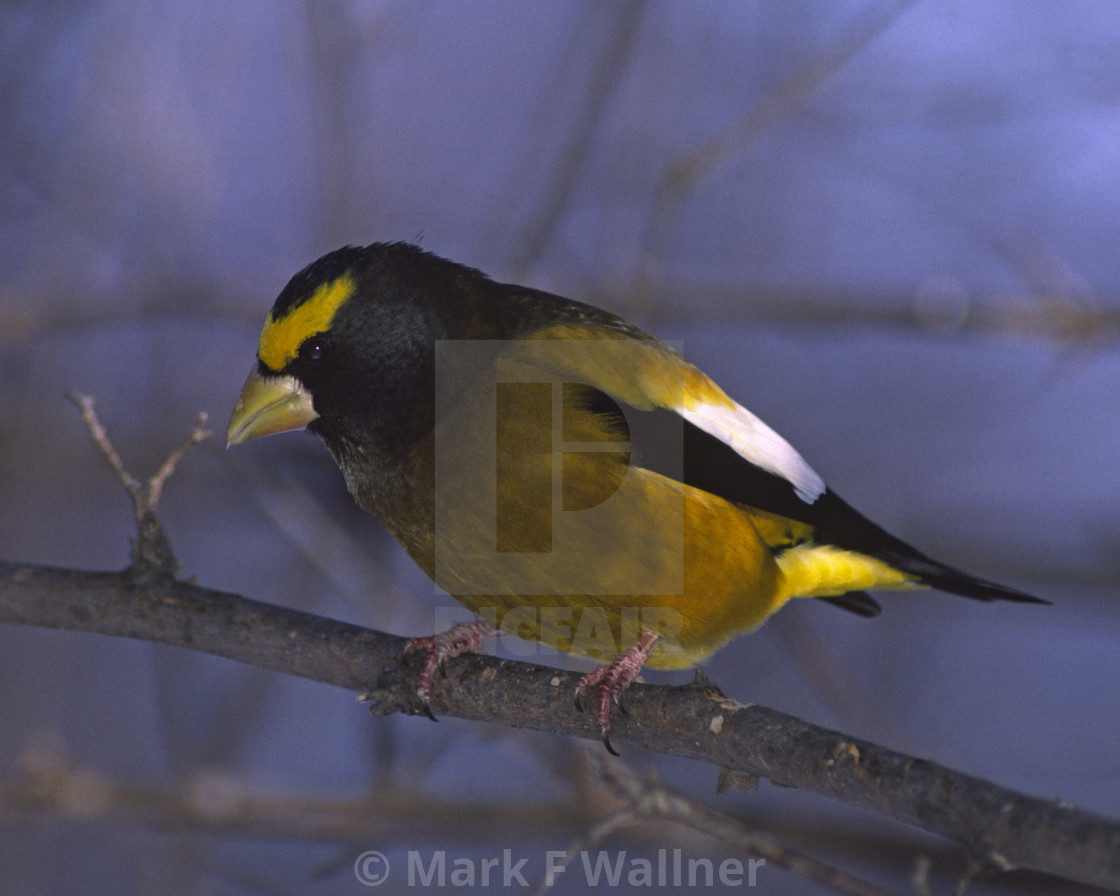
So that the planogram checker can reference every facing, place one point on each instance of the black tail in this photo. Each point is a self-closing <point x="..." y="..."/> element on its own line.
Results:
<point x="846" y="527"/>
<point x="945" y="578"/>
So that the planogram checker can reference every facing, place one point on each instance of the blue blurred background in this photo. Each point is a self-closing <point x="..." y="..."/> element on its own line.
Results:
<point x="887" y="228"/>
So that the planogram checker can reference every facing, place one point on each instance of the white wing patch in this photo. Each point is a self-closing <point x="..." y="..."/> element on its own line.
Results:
<point x="752" y="439"/>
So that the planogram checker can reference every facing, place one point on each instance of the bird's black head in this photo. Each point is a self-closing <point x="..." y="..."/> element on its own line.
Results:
<point x="357" y="330"/>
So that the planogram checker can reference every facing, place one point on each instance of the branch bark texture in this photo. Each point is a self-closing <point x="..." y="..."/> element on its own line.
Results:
<point x="1000" y="828"/>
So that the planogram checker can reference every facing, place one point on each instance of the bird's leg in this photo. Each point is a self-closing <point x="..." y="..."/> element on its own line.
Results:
<point x="437" y="649"/>
<point x="613" y="678"/>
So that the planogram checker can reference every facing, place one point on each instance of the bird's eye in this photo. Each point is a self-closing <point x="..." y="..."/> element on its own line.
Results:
<point x="314" y="348"/>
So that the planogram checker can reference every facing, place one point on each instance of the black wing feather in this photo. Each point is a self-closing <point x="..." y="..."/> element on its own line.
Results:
<point x="859" y="602"/>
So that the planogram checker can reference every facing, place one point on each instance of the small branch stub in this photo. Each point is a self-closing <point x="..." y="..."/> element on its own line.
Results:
<point x="151" y="550"/>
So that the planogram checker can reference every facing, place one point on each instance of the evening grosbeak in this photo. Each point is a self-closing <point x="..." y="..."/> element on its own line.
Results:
<point x="566" y="476"/>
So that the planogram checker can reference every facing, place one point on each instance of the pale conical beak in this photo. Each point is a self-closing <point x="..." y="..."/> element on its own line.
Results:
<point x="268" y="405"/>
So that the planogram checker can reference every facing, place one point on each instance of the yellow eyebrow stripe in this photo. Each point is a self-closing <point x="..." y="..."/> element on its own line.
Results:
<point x="281" y="339"/>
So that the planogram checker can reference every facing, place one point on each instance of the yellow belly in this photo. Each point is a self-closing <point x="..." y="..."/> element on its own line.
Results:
<point x="654" y="555"/>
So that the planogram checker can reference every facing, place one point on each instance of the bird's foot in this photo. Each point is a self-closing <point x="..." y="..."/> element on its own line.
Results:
<point x="438" y="649"/>
<point x="613" y="678"/>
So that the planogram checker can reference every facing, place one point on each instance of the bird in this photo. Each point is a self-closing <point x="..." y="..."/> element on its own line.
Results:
<point x="566" y="476"/>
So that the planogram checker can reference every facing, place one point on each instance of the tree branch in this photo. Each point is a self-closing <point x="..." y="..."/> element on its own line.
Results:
<point x="1001" y="829"/>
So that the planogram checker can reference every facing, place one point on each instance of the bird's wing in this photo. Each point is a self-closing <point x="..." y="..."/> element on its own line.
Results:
<point x="642" y="372"/>
<point x="681" y="424"/>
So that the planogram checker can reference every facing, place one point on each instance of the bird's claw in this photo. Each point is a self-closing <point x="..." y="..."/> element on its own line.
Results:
<point x="612" y="679"/>
<point x="438" y="649"/>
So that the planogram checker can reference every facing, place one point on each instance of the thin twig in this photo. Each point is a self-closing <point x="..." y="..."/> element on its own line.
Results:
<point x="100" y="438"/>
<point x="151" y="551"/>
<point x="739" y="136"/>
<point x="198" y="433"/>
<point x="44" y="781"/>
<point x="600" y="77"/>
<point x="593" y="837"/>
<point x="646" y="798"/>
